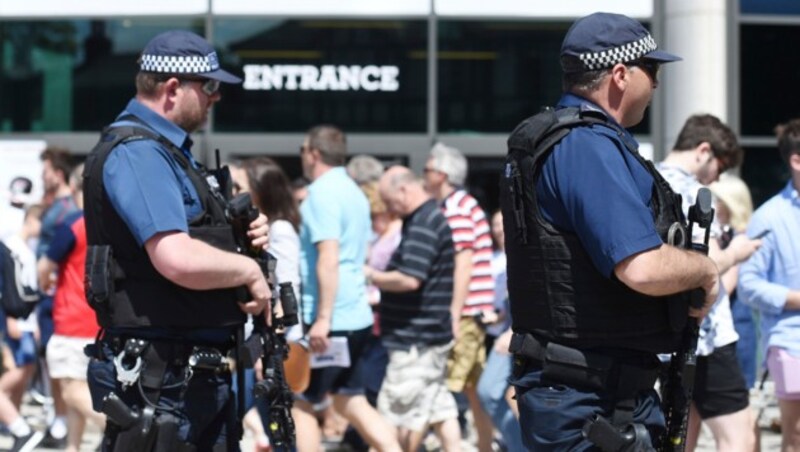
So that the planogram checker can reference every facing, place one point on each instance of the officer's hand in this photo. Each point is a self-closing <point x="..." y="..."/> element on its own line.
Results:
<point x="318" y="335"/>
<point x="742" y="247"/>
<point x="260" y="292"/>
<point x="259" y="232"/>
<point x="711" y="290"/>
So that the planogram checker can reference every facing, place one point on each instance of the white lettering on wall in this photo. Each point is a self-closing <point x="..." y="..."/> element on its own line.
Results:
<point x="292" y="77"/>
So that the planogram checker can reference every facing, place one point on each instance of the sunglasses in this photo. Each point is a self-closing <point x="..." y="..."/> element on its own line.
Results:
<point x="209" y="86"/>
<point x="649" y="66"/>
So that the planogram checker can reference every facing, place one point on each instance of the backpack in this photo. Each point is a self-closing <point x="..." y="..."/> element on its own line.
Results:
<point x="16" y="299"/>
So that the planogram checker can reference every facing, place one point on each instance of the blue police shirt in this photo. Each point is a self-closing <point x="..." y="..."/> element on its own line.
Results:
<point x="146" y="186"/>
<point x="592" y="186"/>
<point x="151" y="192"/>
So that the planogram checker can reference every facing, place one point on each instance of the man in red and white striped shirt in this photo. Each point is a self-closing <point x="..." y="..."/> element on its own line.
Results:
<point x="473" y="285"/>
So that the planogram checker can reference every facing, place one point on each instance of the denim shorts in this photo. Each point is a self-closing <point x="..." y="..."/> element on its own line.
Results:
<point x="342" y="380"/>
<point x="23" y="349"/>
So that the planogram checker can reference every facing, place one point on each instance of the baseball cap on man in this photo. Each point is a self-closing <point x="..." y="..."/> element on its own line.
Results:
<point x="183" y="52"/>
<point x="601" y="40"/>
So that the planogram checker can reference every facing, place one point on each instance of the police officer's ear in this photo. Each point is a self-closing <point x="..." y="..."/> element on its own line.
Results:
<point x="170" y="87"/>
<point x="620" y="76"/>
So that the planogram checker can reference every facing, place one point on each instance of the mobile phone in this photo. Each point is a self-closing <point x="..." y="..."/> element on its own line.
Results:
<point x="761" y="234"/>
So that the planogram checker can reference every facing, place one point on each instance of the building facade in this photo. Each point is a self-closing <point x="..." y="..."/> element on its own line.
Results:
<point x="396" y="76"/>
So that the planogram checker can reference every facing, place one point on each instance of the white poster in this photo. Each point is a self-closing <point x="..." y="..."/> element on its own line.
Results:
<point x="18" y="158"/>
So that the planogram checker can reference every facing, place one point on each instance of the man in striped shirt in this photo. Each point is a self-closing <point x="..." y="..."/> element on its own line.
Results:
<point x="415" y="316"/>
<point x="473" y="285"/>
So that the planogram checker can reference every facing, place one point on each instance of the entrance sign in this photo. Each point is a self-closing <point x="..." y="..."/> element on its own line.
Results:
<point x="295" y="77"/>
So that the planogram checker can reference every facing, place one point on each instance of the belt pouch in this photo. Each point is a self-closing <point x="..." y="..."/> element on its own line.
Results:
<point x="573" y="367"/>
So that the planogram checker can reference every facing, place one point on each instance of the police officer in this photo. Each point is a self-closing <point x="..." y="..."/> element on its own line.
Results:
<point x="163" y="274"/>
<point x="595" y="288"/>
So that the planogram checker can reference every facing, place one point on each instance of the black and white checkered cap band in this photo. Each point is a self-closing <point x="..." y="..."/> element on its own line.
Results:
<point x="179" y="64"/>
<point x="622" y="54"/>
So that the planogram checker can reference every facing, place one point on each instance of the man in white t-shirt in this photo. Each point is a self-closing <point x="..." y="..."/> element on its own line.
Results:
<point x="704" y="149"/>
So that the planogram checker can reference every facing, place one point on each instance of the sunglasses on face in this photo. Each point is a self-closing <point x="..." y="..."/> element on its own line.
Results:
<point x="209" y="86"/>
<point x="649" y="66"/>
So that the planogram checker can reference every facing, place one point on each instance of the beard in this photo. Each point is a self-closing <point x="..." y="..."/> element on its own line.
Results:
<point x="192" y="120"/>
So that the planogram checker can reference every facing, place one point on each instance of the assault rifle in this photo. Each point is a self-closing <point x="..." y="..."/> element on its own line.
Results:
<point x="678" y="388"/>
<point x="268" y="341"/>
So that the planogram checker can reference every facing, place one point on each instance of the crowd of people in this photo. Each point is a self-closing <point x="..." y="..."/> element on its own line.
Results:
<point x="422" y="318"/>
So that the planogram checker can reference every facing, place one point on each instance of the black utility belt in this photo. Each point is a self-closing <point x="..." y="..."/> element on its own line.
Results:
<point x="178" y="354"/>
<point x="584" y="369"/>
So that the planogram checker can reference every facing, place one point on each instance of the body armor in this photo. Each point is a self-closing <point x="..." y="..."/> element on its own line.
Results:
<point x="555" y="291"/>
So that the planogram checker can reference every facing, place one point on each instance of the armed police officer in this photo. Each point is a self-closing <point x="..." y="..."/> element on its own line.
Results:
<point x="596" y="290"/>
<point x="163" y="274"/>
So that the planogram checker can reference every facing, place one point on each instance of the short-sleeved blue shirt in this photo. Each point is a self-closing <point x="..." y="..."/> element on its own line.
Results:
<point x="145" y="184"/>
<point x="592" y="186"/>
<point x="336" y="209"/>
<point x="52" y="218"/>
<point x="64" y="239"/>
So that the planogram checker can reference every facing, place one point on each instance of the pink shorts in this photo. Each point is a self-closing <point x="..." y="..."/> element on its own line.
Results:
<point x="784" y="369"/>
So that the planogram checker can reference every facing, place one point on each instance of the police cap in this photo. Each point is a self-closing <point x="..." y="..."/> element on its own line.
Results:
<point x="601" y="40"/>
<point x="183" y="52"/>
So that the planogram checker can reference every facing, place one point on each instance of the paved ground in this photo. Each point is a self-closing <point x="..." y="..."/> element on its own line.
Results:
<point x="770" y="441"/>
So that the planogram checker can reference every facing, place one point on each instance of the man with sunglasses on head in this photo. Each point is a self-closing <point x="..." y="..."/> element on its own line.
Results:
<point x="596" y="291"/>
<point x="163" y="274"/>
<point x="706" y="148"/>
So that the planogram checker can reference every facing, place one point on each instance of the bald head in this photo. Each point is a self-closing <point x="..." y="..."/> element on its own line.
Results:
<point x="401" y="190"/>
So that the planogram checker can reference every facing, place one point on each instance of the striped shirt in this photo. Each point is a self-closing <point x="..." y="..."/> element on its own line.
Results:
<point x="471" y="232"/>
<point x="420" y="317"/>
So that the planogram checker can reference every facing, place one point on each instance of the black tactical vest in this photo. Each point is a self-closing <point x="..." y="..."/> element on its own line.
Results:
<point x="555" y="291"/>
<point x="141" y="297"/>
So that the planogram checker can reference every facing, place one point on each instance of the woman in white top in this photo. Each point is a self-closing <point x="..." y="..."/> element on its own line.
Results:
<point x="271" y="193"/>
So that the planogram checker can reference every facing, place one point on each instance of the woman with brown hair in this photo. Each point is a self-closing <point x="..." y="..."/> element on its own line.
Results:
<point x="271" y="193"/>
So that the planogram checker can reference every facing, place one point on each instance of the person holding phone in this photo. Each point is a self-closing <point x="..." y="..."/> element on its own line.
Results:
<point x="704" y="149"/>
<point x="770" y="282"/>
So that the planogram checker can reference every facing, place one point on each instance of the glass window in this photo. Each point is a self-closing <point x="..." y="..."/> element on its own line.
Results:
<point x="764" y="172"/>
<point x="364" y="76"/>
<point x="483" y="181"/>
<point x="72" y="75"/>
<point x="767" y="64"/>
<point x="770" y="7"/>
<point x="492" y="75"/>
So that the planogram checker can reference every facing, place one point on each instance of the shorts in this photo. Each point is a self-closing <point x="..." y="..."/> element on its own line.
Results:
<point x="466" y="361"/>
<point x="785" y="372"/>
<point x="414" y="394"/>
<point x="341" y="380"/>
<point x="65" y="357"/>
<point x="719" y="386"/>
<point x="23" y="349"/>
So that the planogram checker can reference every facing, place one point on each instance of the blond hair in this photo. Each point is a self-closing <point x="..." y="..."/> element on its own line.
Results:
<point x="376" y="204"/>
<point x="734" y="193"/>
